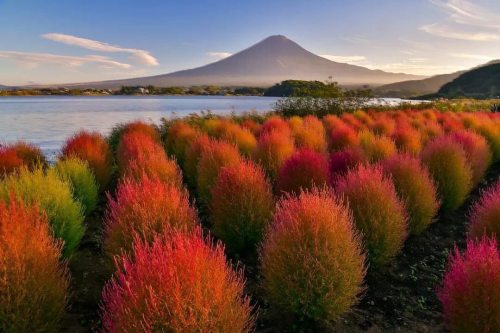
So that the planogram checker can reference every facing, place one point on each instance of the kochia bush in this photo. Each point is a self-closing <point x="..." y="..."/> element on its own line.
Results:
<point x="378" y="212"/>
<point x="82" y="180"/>
<point x="341" y="161"/>
<point x="470" y="294"/>
<point x="54" y="196"/>
<point x="376" y="147"/>
<point x="448" y="166"/>
<point x="179" y="137"/>
<point x="192" y="156"/>
<point x="310" y="134"/>
<point x="34" y="284"/>
<point x="92" y="148"/>
<point x="9" y="161"/>
<point x="305" y="169"/>
<point x="311" y="258"/>
<point x="341" y="137"/>
<point x="19" y="154"/>
<point x="485" y="214"/>
<point x="416" y="188"/>
<point x="273" y="149"/>
<point x="477" y="152"/>
<point x="145" y="209"/>
<point x="176" y="284"/>
<point x="139" y="126"/>
<point x="241" y="206"/>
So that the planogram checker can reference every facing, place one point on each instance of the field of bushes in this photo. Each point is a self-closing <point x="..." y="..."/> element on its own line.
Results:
<point x="360" y="222"/>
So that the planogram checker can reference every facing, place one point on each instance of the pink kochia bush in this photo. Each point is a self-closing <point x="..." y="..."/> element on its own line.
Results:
<point x="470" y="293"/>
<point x="378" y="212"/>
<point x="311" y="258"/>
<point x="241" y="206"/>
<point x="144" y="209"/>
<point x="448" y="166"/>
<point x="305" y="169"/>
<point x="176" y="284"/>
<point x="416" y="188"/>
<point x="485" y="214"/>
<point x="33" y="283"/>
<point x="341" y="161"/>
<point x="92" y="148"/>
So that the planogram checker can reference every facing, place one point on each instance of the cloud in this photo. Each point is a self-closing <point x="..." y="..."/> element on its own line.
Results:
<point x="345" y="59"/>
<point x="219" y="55"/>
<point x="141" y="56"/>
<point x="471" y="56"/>
<point x="410" y="67"/>
<point x="465" y="21"/>
<point x="447" y="32"/>
<point x="32" y="59"/>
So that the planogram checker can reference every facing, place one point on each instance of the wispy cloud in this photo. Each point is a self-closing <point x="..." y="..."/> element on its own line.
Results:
<point x="219" y="55"/>
<point x="410" y="67"/>
<point x="33" y="59"/>
<point x="346" y="59"/>
<point x="465" y="21"/>
<point x="141" y="56"/>
<point x="471" y="56"/>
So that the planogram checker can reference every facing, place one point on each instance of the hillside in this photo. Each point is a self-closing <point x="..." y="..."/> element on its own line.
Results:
<point x="483" y="82"/>
<point x="272" y="60"/>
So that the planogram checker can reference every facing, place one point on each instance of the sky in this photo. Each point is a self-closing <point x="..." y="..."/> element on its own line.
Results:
<point x="78" y="41"/>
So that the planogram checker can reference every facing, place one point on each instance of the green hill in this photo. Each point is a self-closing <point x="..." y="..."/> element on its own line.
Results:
<point x="483" y="82"/>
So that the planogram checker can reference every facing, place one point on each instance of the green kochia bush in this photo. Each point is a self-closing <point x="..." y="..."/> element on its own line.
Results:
<point x="448" y="166"/>
<point x="311" y="257"/>
<point x="83" y="183"/>
<point x="378" y="212"/>
<point x="54" y="196"/>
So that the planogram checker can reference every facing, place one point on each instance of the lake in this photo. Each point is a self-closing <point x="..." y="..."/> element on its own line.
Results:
<point x="48" y="121"/>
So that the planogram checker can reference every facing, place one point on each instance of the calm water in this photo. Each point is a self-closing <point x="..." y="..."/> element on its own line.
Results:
<point x="48" y="121"/>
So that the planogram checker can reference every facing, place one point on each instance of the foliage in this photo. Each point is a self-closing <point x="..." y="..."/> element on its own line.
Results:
<point x="273" y="149"/>
<point x="485" y="214"/>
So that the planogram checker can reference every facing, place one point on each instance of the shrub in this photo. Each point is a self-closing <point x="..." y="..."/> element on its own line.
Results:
<point x="485" y="214"/>
<point x="54" y="197"/>
<point x="275" y="123"/>
<point x="310" y="134"/>
<point x="407" y="140"/>
<point x="138" y="154"/>
<point x="477" y="152"/>
<point x="378" y="212"/>
<point x="273" y="149"/>
<point x="305" y="169"/>
<point x="242" y="205"/>
<point x="139" y="126"/>
<point x="376" y="147"/>
<point x="215" y="156"/>
<point x="178" y="139"/>
<point x="383" y="126"/>
<point x="193" y="153"/>
<point x="343" y="136"/>
<point x="416" y="188"/>
<point x="34" y="284"/>
<point x="311" y="258"/>
<point x="470" y="294"/>
<point x="341" y="161"/>
<point x="241" y="137"/>
<point x="492" y="134"/>
<point x="145" y="208"/>
<point x="179" y="284"/>
<point x="450" y="170"/>
<point x="31" y="155"/>
<point x="9" y="161"/>
<point x="83" y="184"/>
<point x="92" y="148"/>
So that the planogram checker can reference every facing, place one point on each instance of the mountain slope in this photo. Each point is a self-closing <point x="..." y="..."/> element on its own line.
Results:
<point x="483" y="82"/>
<point x="272" y="60"/>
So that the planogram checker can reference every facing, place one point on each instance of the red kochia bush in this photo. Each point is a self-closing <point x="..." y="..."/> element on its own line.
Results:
<point x="470" y="293"/>
<point x="241" y="206"/>
<point x="179" y="137"/>
<point x="33" y="283"/>
<point x="311" y="257"/>
<point x="176" y="284"/>
<point x="275" y="123"/>
<point x="139" y="126"/>
<point x="9" y="161"/>
<point x="448" y="166"/>
<point x="416" y="188"/>
<point x="138" y="154"/>
<point x="145" y="208"/>
<point x="18" y="154"/>
<point x="303" y="170"/>
<point x="213" y="157"/>
<point x="477" y="152"/>
<point x="342" y="136"/>
<point x="378" y="212"/>
<point x="92" y="148"/>
<point x="485" y="214"/>
<point x="273" y="149"/>
<point x="341" y="161"/>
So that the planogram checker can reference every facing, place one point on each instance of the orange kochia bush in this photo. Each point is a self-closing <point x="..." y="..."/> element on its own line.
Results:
<point x="14" y="156"/>
<point x="311" y="257"/>
<point x="33" y="283"/>
<point x="144" y="209"/>
<point x="92" y="148"/>
<point x="273" y="149"/>
<point x="176" y="284"/>
<point x="179" y="137"/>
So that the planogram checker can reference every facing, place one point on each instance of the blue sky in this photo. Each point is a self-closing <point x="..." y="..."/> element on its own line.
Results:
<point x="74" y="41"/>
